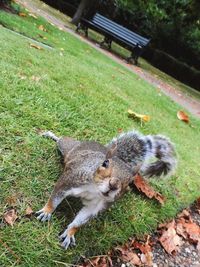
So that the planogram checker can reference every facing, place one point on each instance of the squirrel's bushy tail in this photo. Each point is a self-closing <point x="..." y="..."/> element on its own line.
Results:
<point x="135" y="148"/>
<point x="165" y="153"/>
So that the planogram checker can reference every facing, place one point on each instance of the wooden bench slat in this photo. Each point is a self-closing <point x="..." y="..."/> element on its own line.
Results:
<point x="106" y="32"/>
<point x="119" y="33"/>
<point x="117" y="26"/>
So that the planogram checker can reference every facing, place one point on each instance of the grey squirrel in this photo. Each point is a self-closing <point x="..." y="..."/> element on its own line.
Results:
<point x="100" y="174"/>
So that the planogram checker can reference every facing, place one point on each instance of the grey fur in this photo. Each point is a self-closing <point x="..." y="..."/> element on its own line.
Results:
<point x="134" y="148"/>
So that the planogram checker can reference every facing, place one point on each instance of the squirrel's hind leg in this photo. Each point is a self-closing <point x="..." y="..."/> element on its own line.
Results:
<point x="65" y="144"/>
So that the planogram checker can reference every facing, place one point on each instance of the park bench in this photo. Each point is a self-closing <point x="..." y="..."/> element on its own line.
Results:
<point x="112" y="31"/>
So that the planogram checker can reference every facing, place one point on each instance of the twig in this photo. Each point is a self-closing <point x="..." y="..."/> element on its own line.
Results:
<point x="67" y="264"/>
<point x="10" y="250"/>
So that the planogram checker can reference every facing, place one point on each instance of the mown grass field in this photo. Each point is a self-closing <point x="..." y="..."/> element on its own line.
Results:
<point x="74" y="90"/>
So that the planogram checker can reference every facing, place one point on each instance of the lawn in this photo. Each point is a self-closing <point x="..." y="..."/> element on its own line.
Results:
<point x="74" y="90"/>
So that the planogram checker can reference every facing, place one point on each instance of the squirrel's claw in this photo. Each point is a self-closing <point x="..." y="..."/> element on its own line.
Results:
<point x="67" y="240"/>
<point x="43" y="216"/>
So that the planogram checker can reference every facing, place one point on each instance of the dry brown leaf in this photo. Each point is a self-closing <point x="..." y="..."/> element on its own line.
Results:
<point x="10" y="217"/>
<point x="42" y="28"/>
<point x="185" y="214"/>
<point x="36" y="46"/>
<point x="144" y="187"/>
<point x="120" y="130"/>
<point x="29" y="211"/>
<point x="35" y="78"/>
<point x="147" y="259"/>
<point x="99" y="261"/>
<point x="192" y="230"/>
<point x="187" y="228"/>
<point x="170" y="240"/>
<point x="135" y="115"/>
<point x="129" y="256"/>
<point x="12" y="200"/>
<point x="21" y="14"/>
<point x="145" y="248"/>
<point x="180" y="230"/>
<point x="182" y="116"/>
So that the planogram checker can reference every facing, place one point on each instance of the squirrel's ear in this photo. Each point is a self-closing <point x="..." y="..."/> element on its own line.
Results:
<point x="112" y="151"/>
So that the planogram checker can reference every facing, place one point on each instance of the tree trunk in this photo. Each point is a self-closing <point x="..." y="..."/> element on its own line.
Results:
<point x="87" y="7"/>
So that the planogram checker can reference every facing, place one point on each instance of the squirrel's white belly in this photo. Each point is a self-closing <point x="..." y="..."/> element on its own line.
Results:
<point x="92" y="192"/>
<point x="85" y="191"/>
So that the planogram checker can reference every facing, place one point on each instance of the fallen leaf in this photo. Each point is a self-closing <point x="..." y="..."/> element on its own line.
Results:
<point x="95" y="261"/>
<point x="127" y="255"/>
<point x="28" y="211"/>
<point x="134" y="115"/>
<point x="10" y="217"/>
<point x="99" y="261"/>
<point x="145" y="248"/>
<point x="147" y="259"/>
<point x="33" y="15"/>
<point x="170" y="240"/>
<point x="144" y="187"/>
<point x="35" y="78"/>
<point x="189" y="230"/>
<point x="120" y="130"/>
<point x="21" y="14"/>
<point x="42" y="28"/>
<point x="36" y="46"/>
<point x="11" y="200"/>
<point x="182" y="116"/>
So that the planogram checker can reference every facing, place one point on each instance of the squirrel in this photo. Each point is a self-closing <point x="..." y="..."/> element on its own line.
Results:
<point x="99" y="174"/>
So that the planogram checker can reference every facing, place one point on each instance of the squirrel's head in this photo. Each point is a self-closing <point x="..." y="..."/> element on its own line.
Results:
<point x="107" y="183"/>
<point x="105" y="169"/>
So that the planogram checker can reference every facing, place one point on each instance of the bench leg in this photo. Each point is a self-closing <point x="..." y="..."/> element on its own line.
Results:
<point x="106" y="41"/>
<point x="82" y="27"/>
<point x="134" y="57"/>
<point x="78" y="28"/>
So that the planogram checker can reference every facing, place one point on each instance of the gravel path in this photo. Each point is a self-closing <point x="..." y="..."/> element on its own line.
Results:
<point x="189" y="103"/>
<point x="188" y="256"/>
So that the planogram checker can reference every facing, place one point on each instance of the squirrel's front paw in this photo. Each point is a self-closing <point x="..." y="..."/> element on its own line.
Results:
<point x="43" y="215"/>
<point x="67" y="238"/>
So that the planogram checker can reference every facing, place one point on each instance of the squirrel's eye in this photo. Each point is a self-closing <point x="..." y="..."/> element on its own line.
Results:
<point x="105" y="164"/>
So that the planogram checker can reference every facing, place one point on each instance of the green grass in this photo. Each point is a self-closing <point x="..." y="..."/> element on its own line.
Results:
<point x="84" y="94"/>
